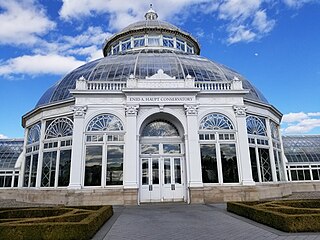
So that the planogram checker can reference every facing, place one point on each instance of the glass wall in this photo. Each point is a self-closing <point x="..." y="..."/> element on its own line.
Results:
<point x="259" y="149"/>
<point x="56" y="160"/>
<point x="218" y="150"/>
<point x="104" y="151"/>
<point x="32" y="155"/>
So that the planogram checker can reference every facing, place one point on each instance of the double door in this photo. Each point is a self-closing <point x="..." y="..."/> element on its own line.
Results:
<point x="162" y="179"/>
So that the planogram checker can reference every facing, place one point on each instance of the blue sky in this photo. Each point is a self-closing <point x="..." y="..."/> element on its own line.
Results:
<point x="273" y="43"/>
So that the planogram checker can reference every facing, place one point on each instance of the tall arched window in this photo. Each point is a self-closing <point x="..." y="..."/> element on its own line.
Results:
<point x="104" y="151"/>
<point x="259" y="149"/>
<point x="218" y="149"/>
<point x="32" y="155"/>
<point x="56" y="160"/>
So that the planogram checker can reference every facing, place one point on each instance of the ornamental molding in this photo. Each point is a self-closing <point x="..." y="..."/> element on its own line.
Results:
<point x="160" y="75"/>
<point x="132" y="110"/>
<point x="79" y="111"/>
<point x="240" y="111"/>
<point x="191" y="109"/>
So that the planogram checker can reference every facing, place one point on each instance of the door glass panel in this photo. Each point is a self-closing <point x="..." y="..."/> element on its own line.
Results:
<point x="145" y="172"/>
<point x="254" y="167"/>
<point x="171" y="148"/>
<point x="229" y="163"/>
<point x="167" y="171"/>
<point x="155" y="171"/>
<point x="114" y="165"/>
<point x="177" y="170"/>
<point x="149" y="148"/>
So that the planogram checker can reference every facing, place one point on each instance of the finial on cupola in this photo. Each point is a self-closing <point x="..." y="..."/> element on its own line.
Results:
<point x="151" y="14"/>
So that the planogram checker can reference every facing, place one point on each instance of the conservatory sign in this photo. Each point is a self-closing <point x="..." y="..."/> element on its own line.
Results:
<point x="162" y="99"/>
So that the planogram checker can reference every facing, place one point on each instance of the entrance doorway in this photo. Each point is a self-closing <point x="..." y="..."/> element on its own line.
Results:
<point x="162" y="175"/>
<point x="161" y="179"/>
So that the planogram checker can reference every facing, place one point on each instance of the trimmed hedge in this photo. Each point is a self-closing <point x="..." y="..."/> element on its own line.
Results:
<point x="59" y="223"/>
<point x="288" y="216"/>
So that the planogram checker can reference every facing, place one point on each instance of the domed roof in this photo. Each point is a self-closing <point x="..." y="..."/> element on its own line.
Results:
<point x="145" y="63"/>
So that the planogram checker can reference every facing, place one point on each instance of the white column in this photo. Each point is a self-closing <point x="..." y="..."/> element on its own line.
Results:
<point x="243" y="145"/>
<point x="193" y="160"/>
<point x="131" y="158"/>
<point x="77" y="160"/>
<point x="40" y="155"/>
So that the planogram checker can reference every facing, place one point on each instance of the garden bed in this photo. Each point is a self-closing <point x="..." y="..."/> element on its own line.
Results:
<point x="52" y="222"/>
<point x="285" y="215"/>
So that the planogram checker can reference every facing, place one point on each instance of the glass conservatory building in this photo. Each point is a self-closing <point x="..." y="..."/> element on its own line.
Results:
<point x="152" y="121"/>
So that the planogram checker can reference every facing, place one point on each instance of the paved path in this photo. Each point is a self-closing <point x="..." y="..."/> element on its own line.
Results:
<point x="182" y="221"/>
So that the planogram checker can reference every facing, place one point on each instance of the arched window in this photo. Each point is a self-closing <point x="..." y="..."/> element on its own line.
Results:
<point x="56" y="160"/>
<point x="34" y="134"/>
<point x="160" y="128"/>
<point x="61" y="127"/>
<point x="215" y="121"/>
<point x="255" y="126"/>
<point x="259" y="149"/>
<point x="32" y="154"/>
<point x="104" y="151"/>
<point x="105" y="122"/>
<point x="218" y="149"/>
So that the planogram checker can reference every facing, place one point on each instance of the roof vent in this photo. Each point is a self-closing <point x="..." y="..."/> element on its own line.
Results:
<point x="151" y="14"/>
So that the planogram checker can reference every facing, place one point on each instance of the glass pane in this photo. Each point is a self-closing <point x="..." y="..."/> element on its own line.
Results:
<point x="171" y="148"/>
<point x="294" y="176"/>
<point x="149" y="148"/>
<point x="8" y="181"/>
<point x="155" y="171"/>
<point x="254" y="167"/>
<point x="177" y="170"/>
<point x="34" y="170"/>
<point x="93" y="166"/>
<point x="307" y="175"/>
<point x="160" y="128"/>
<point x="64" y="168"/>
<point x="114" y="165"/>
<point x="27" y="171"/>
<point x="315" y="174"/>
<point x="1" y="181"/>
<point x="209" y="163"/>
<point x="48" y="169"/>
<point x="265" y="166"/>
<point x="145" y="172"/>
<point x="229" y="163"/>
<point x="167" y="171"/>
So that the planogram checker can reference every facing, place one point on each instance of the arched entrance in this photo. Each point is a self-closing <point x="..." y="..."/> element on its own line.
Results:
<point x="162" y="174"/>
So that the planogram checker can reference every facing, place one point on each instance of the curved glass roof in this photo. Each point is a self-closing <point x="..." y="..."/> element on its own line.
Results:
<point x="302" y="149"/>
<point x="10" y="150"/>
<point x="145" y="63"/>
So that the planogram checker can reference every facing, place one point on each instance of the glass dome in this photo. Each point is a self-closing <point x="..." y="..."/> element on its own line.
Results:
<point x="176" y="54"/>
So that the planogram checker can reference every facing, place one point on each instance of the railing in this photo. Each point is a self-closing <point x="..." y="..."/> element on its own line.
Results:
<point x="213" y="86"/>
<point x="106" y="86"/>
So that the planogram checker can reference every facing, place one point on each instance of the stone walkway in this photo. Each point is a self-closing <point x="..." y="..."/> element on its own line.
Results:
<point x="182" y="221"/>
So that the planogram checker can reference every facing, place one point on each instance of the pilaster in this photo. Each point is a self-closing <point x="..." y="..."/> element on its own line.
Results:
<point x="193" y="159"/>
<point x="77" y="158"/>
<point x="243" y="145"/>
<point x="131" y="158"/>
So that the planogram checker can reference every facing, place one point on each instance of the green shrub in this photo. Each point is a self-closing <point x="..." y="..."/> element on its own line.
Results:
<point x="71" y="223"/>
<point x="280" y="214"/>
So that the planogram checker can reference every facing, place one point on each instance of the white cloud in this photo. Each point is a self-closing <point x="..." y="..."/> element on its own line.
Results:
<point x="2" y="136"/>
<point x="300" y="123"/>
<point x="261" y="23"/>
<point x="240" y="34"/>
<point x="39" y="64"/>
<point x="297" y="3"/>
<point x="294" y="117"/>
<point x="22" y="22"/>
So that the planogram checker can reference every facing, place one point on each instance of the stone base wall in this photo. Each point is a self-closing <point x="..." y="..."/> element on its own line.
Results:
<point x="120" y="196"/>
<point x="115" y="196"/>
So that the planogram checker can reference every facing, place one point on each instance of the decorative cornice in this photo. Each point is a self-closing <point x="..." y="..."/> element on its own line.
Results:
<point x="191" y="109"/>
<point x="240" y="111"/>
<point x="79" y="111"/>
<point x="132" y="110"/>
